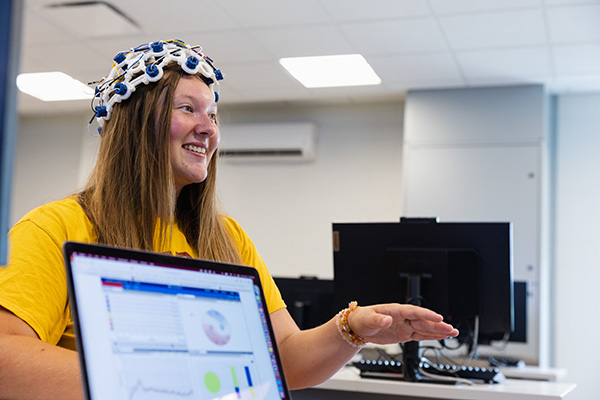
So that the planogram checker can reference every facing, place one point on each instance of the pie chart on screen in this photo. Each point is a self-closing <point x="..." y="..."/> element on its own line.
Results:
<point x="216" y="327"/>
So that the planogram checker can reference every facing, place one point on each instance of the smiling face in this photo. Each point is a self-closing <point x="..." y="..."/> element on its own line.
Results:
<point x="194" y="131"/>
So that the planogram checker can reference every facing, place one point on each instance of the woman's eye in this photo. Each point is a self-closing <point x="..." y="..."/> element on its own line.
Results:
<point x="213" y="116"/>
<point x="186" y="108"/>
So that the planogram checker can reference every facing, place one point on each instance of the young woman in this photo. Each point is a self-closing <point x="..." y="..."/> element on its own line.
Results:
<point x="153" y="188"/>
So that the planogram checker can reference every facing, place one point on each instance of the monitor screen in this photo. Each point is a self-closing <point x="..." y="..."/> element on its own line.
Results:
<point x="461" y="270"/>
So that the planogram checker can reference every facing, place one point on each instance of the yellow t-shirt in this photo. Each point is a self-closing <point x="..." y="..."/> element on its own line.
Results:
<point x="33" y="285"/>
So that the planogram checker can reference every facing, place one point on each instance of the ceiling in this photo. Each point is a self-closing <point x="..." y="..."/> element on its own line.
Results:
<point x="411" y="44"/>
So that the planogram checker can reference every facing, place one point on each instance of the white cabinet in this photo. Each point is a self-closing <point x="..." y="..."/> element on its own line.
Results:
<point x="475" y="155"/>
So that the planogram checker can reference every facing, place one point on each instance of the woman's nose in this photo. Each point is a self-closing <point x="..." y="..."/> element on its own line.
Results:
<point x="206" y="125"/>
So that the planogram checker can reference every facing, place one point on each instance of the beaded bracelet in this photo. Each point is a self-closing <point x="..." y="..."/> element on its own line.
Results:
<point x="344" y="328"/>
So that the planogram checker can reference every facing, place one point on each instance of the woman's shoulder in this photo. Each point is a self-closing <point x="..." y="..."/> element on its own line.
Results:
<point x="238" y="233"/>
<point x="67" y="208"/>
<point x="234" y="228"/>
<point x="65" y="215"/>
<point x="230" y="222"/>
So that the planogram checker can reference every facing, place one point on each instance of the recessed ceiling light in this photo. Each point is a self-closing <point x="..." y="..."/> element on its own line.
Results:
<point x="53" y="86"/>
<point x="331" y="71"/>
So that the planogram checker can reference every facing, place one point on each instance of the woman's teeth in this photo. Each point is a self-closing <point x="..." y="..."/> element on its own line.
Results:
<point x="195" y="149"/>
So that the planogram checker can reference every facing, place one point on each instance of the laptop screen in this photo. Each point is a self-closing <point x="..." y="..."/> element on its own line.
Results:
<point x="154" y="326"/>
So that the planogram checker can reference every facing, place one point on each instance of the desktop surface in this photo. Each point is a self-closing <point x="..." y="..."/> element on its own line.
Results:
<point x="353" y="386"/>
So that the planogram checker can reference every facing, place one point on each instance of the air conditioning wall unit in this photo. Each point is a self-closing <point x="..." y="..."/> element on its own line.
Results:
<point x="263" y="142"/>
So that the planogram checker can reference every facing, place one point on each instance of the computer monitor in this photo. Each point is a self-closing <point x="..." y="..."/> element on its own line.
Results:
<point x="520" y="294"/>
<point x="309" y="300"/>
<point x="462" y="270"/>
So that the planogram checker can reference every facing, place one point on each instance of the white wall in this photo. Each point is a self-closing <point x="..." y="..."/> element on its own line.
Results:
<point x="288" y="207"/>
<point x="577" y="241"/>
<point x="47" y="160"/>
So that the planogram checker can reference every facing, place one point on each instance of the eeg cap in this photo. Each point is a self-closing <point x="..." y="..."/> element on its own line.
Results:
<point x="144" y="64"/>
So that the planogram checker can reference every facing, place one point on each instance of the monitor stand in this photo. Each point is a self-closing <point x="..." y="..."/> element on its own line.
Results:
<point x="411" y="355"/>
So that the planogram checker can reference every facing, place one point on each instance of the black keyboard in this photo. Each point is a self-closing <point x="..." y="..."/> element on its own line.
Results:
<point x="389" y="369"/>
<point x="504" y="362"/>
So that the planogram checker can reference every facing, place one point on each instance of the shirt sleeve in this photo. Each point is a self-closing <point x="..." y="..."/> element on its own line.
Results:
<point x="252" y="258"/>
<point x="33" y="285"/>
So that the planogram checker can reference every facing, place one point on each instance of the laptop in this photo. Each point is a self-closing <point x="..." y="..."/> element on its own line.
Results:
<point x="155" y="326"/>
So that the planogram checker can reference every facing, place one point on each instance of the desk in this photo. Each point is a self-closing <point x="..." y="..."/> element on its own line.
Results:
<point x="347" y="384"/>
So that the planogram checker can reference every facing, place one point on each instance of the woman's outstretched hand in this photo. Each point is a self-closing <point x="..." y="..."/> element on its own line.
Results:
<point x="398" y="323"/>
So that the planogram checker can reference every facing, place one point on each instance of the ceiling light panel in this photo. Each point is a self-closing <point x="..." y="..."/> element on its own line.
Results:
<point x="53" y="86"/>
<point x="331" y="71"/>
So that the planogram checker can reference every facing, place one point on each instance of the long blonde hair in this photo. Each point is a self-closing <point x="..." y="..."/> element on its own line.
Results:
<point x="131" y="192"/>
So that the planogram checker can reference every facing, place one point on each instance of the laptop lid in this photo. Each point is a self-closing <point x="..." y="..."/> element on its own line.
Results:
<point x="155" y="326"/>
